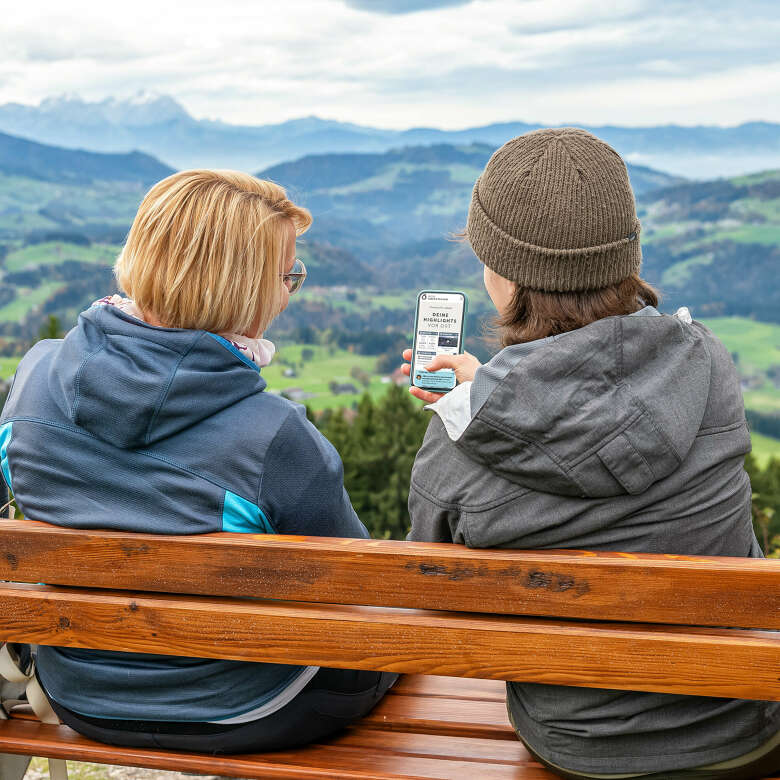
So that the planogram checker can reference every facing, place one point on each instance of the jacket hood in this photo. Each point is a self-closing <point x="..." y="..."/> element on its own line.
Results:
<point x="604" y="410"/>
<point x="131" y="384"/>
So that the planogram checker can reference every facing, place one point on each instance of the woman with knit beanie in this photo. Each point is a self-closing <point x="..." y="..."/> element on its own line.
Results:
<point x="602" y="424"/>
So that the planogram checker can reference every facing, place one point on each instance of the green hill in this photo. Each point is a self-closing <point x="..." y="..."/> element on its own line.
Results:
<point x="755" y="347"/>
<point x="32" y="210"/>
<point x="715" y="245"/>
<point x="20" y="157"/>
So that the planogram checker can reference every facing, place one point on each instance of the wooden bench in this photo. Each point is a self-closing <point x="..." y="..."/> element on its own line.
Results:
<point x="434" y="612"/>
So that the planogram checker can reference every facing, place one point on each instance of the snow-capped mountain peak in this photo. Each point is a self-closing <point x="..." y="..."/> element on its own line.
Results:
<point x="138" y="110"/>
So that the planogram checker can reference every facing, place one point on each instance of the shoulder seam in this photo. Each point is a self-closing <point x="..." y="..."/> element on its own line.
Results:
<point x="167" y="387"/>
<point x="82" y="366"/>
<point x="268" y="450"/>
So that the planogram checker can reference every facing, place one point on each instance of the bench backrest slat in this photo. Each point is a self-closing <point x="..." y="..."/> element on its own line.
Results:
<point x="691" y="590"/>
<point x="671" y="659"/>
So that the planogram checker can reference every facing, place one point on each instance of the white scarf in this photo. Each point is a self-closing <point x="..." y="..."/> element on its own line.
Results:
<point x="259" y="351"/>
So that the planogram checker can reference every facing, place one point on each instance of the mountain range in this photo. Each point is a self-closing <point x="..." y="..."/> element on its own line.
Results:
<point x="160" y="126"/>
<point x="400" y="203"/>
<point x="367" y="203"/>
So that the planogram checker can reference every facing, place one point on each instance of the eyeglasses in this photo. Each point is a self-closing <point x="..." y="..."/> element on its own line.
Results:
<point x="294" y="278"/>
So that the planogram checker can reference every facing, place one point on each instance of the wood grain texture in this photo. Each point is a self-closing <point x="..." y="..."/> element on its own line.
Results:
<point x="501" y="751"/>
<point x="428" y="685"/>
<point x="740" y="592"/>
<point x="462" y="718"/>
<point x="316" y="761"/>
<point x="667" y="659"/>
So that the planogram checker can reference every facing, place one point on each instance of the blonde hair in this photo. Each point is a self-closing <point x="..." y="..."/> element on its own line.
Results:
<point x="206" y="248"/>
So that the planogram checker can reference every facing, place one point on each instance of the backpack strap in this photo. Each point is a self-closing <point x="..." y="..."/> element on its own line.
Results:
<point x="17" y="666"/>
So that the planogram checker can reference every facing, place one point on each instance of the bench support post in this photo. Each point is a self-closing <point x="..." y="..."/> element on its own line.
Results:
<point x="13" y="767"/>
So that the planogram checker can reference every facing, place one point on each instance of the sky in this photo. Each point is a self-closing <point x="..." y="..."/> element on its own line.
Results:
<point x="406" y="63"/>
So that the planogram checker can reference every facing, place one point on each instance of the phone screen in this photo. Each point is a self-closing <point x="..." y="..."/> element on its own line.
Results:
<point x="438" y="330"/>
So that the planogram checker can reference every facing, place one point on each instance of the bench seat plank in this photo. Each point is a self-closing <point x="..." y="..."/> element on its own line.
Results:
<point x="666" y="659"/>
<point x="316" y="761"/>
<point x="428" y="685"/>
<point x="477" y="749"/>
<point x="695" y="590"/>
<point x="441" y="716"/>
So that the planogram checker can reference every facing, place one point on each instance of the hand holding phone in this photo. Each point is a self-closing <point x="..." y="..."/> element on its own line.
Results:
<point x="464" y="365"/>
<point x="437" y="359"/>
<point x="438" y="330"/>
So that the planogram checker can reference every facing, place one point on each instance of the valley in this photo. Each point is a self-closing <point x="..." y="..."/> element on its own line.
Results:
<point x="383" y="229"/>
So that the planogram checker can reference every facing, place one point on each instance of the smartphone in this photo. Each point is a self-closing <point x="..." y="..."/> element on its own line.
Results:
<point x="438" y="330"/>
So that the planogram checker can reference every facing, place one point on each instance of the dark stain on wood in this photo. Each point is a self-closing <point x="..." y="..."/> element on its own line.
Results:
<point x="13" y="561"/>
<point x="555" y="582"/>
<point x="133" y="607"/>
<point x="535" y="578"/>
<point x="538" y="579"/>
<point x="130" y="549"/>
<point x="454" y="573"/>
<point x="64" y="623"/>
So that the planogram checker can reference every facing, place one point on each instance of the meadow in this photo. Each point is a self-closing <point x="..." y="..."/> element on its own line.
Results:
<point x="56" y="252"/>
<point x="757" y="349"/>
<point x="315" y="368"/>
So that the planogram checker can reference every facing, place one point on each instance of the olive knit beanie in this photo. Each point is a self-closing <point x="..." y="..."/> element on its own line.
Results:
<point x="554" y="210"/>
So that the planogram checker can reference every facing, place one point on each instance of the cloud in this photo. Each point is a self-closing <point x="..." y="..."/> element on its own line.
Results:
<point x="402" y="6"/>
<point x="649" y="61"/>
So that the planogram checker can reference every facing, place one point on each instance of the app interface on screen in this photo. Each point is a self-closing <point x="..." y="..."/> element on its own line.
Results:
<point x="439" y="321"/>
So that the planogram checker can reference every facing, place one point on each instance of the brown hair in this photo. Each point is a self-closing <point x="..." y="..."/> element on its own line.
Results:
<point x="535" y="314"/>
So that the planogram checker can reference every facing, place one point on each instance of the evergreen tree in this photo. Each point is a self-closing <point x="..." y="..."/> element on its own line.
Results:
<point x="378" y="448"/>
<point x="765" y="484"/>
<point x="51" y="329"/>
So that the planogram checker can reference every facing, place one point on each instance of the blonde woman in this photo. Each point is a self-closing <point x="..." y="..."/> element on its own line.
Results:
<point x="151" y="415"/>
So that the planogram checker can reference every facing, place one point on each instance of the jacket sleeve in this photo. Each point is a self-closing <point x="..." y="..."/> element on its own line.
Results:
<point x="302" y="489"/>
<point x="433" y="520"/>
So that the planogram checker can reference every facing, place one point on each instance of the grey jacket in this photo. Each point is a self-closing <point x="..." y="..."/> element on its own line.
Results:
<point x="628" y="434"/>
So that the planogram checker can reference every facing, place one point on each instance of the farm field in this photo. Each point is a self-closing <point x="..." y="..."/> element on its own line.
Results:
<point x="757" y="346"/>
<point x="764" y="448"/>
<point x="315" y="368"/>
<point x="27" y="300"/>
<point x="56" y="252"/>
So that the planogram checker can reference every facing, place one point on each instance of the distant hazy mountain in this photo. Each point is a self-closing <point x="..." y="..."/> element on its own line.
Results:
<point x="157" y="124"/>
<point x="375" y="203"/>
<point x="21" y="157"/>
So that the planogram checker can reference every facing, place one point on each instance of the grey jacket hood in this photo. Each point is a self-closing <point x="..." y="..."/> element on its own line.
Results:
<point x="609" y="409"/>
<point x="131" y="384"/>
